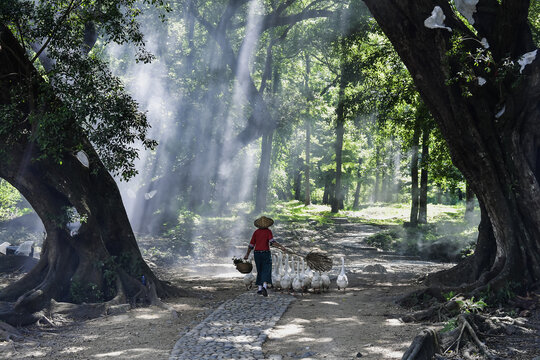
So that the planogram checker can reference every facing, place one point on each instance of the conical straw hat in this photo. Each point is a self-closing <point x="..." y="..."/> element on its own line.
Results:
<point x="263" y="222"/>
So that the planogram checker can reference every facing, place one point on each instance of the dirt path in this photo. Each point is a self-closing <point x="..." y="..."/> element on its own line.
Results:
<point x="360" y="322"/>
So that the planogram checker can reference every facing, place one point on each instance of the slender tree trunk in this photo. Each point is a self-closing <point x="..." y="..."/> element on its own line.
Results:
<point x="414" y="177"/>
<point x="356" y="202"/>
<point x="376" y="185"/>
<point x="422" y="209"/>
<point x="337" y="201"/>
<point x="329" y="188"/>
<point x="338" y="192"/>
<point x="307" y="199"/>
<point x="263" y="173"/>
<point x="307" y="123"/>
<point x="297" y="179"/>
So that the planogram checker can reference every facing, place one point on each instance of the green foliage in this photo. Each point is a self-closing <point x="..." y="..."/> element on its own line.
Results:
<point x="85" y="293"/>
<point x="502" y="295"/>
<point x="450" y="325"/>
<point x="448" y="296"/>
<point x="470" y="305"/>
<point x="79" y="98"/>
<point x="385" y="240"/>
<point x="109" y="269"/>
<point x="10" y="202"/>
<point x="181" y="236"/>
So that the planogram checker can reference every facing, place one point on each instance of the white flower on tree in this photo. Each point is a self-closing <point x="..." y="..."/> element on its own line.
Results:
<point x="436" y="20"/>
<point x="526" y="59"/>
<point x="467" y="8"/>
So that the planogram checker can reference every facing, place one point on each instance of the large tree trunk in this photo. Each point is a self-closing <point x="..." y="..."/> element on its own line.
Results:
<point x="422" y="202"/>
<point x="99" y="262"/>
<point x="492" y="130"/>
<point x="414" y="177"/>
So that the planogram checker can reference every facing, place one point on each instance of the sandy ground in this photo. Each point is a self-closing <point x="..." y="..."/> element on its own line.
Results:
<point x="361" y="321"/>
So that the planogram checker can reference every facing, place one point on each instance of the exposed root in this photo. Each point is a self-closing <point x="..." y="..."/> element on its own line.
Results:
<point x="466" y="325"/>
<point x="436" y="313"/>
<point x="424" y="346"/>
<point x="8" y="332"/>
<point x="46" y="320"/>
<point x="10" y="264"/>
<point x="155" y="300"/>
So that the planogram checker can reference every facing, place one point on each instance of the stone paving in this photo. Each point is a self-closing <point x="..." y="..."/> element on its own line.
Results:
<point x="235" y="330"/>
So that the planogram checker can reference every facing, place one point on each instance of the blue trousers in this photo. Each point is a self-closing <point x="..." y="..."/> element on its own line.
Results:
<point x="263" y="263"/>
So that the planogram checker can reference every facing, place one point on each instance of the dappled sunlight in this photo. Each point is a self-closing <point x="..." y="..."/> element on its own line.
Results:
<point x="386" y="353"/>
<point x="73" y="349"/>
<point x="329" y="302"/>
<point x="133" y="353"/>
<point x="89" y="337"/>
<point x="394" y="322"/>
<point x="149" y="316"/>
<point x="286" y="330"/>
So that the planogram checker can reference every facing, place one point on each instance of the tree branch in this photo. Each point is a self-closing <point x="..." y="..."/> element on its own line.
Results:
<point x="55" y="29"/>
<point x="271" y="22"/>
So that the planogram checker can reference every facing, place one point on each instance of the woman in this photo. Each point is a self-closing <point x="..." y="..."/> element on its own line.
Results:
<point x="261" y="240"/>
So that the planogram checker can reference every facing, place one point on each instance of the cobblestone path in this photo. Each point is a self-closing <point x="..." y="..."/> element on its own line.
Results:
<point x="235" y="330"/>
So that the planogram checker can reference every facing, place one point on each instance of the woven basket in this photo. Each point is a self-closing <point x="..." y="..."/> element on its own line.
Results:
<point x="244" y="268"/>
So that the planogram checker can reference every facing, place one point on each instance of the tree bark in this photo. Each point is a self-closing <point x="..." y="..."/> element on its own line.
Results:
<point x="264" y="171"/>
<point x="356" y="201"/>
<point x="307" y="195"/>
<point x="103" y="256"/>
<point x="307" y="121"/>
<point x="492" y="130"/>
<point x="414" y="176"/>
<point x="337" y="201"/>
<point x="469" y="202"/>
<point x="422" y="209"/>
<point x="377" y="184"/>
<point x="297" y="180"/>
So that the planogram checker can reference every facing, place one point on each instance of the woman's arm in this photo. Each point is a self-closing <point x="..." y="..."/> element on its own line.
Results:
<point x="278" y="245"/>
<point x="247" y="253"/>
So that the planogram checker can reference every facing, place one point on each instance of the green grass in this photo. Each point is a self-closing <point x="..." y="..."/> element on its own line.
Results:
<point x="378" y="213"/>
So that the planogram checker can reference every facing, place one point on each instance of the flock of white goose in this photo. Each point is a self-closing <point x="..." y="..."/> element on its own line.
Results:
<point x="294" y="275"/>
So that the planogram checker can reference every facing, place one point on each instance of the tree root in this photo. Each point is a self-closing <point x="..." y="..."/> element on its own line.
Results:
<point x="424" y="346"/>
<point x="466" y="325"/>
<point x="155" y="300"/>
<point x="8" y="332"/>
<point x="436" y="313"/>
<point x="11" y="264"/>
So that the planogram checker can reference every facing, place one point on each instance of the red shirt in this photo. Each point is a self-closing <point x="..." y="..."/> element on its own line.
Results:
<point x="261" y="239"/>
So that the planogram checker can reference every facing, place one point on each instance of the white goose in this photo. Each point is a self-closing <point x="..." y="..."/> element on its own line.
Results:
<point x="342" y="280"/>
<point x="286" y="280"/>
<point x="325" y="282"/>
<point x="249" y="279"/>
<point x="306" y="280"/>
<point x="297" y="282"/>
<point x="276" y="274"/>
<point x="308" y="272"/>
<point x="316" y="282"/>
